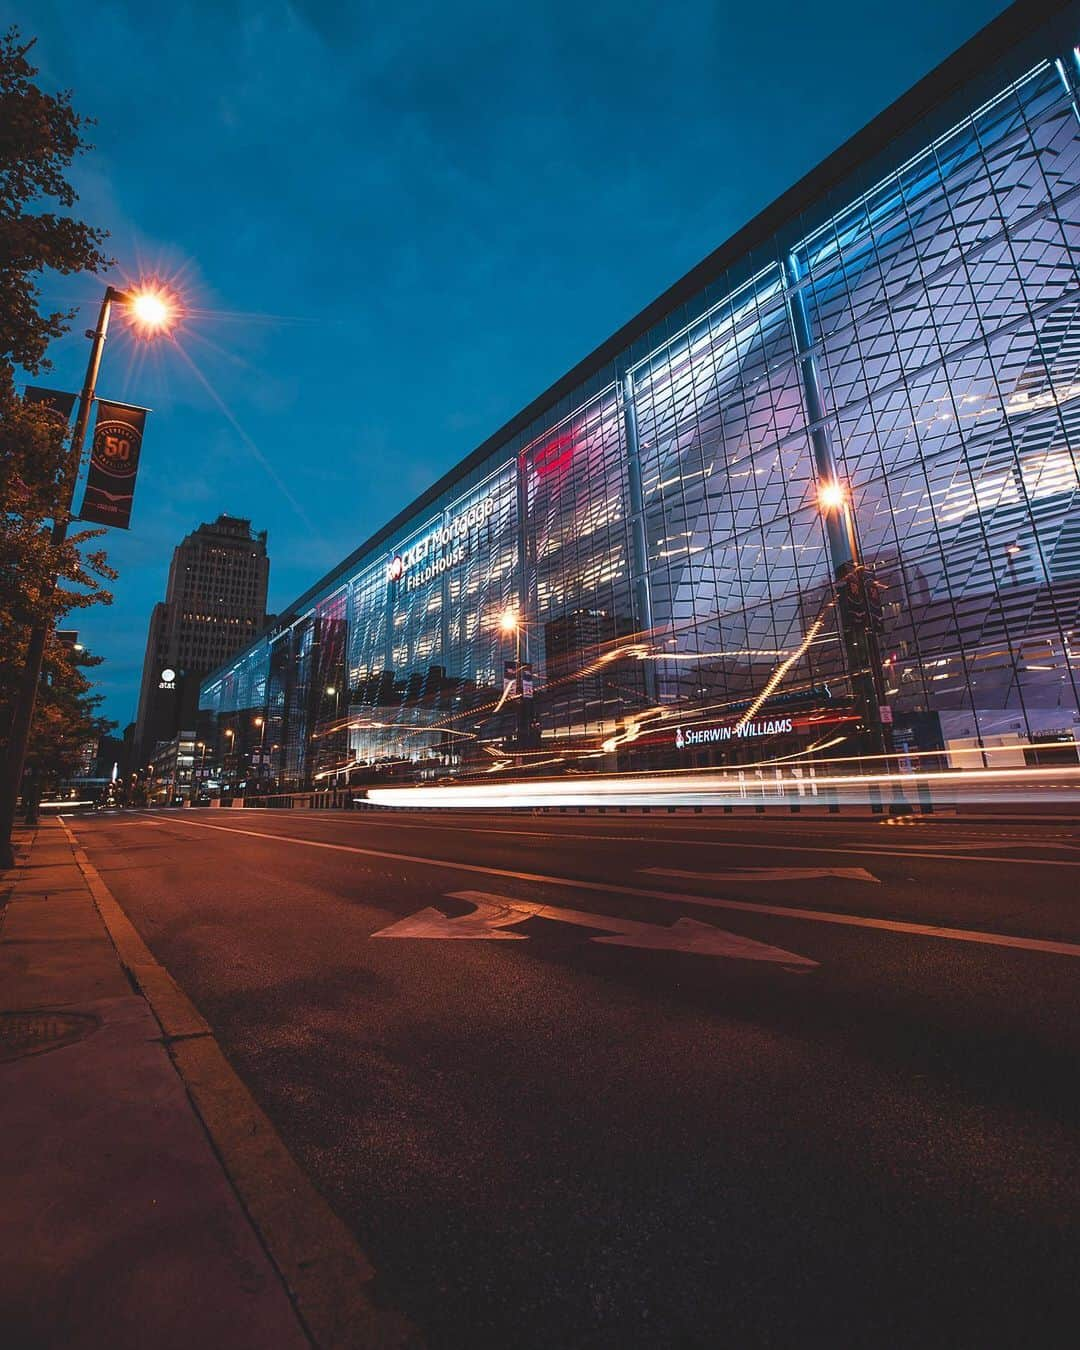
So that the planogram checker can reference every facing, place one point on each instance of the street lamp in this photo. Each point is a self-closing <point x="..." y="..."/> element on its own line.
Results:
<point x="835" y="502"/>
<point x="260" y="722"/>
<point x="831" y="495"/>
<point x="229" y="761"/>
<point x="857" y="624"/>
<point x="151" y="311"/>
<point x="510" y="622"/>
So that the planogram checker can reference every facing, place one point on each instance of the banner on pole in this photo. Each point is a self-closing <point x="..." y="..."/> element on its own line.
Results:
<point x="114" y="464"/>
<point x="55" y="400"/>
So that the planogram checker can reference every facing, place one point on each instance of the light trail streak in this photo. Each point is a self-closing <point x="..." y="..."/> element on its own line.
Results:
<point x="731" y="788"/>
<point x="784" y="666"/>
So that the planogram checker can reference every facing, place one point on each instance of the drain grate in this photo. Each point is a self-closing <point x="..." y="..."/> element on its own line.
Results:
<point x="33" y="1033"/>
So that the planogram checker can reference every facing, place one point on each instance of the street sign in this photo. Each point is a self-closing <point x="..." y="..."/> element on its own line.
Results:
<point x="114" y="464"/>
<point x="518" y="679"/>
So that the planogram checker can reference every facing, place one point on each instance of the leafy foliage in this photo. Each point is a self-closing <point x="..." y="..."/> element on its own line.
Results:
<point x="31" y="481"/>
<point x="40" y="581"/>
<point x="40" y="135"/>
<point x="66" y="717"/>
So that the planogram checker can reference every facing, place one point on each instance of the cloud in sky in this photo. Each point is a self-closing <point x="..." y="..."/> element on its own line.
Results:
<point x="428" y="213"/>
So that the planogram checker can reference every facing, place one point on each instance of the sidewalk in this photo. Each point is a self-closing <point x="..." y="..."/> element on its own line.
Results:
<point x="118" y="1225"/>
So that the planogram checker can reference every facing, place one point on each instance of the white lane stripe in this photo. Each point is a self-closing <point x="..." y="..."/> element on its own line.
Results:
<point x="846" y="848"/>
<point x="765" y="874"/>
<point x="711" y="902"/>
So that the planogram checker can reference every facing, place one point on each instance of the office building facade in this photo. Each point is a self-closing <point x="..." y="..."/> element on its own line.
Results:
<point x="215" y="603"/>
<point x="902" y="330"/>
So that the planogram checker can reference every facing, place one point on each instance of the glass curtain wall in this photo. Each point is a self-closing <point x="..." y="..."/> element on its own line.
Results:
<point x="659" y="536"/>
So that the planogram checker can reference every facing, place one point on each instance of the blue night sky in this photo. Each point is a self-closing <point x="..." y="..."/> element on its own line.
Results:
<point x="407" y="221"/>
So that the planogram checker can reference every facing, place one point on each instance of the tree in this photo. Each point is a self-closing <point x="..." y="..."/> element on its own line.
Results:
<point x="39" y="580"/>
<point x="66" y="720"/>
<point x="40" y="136"/>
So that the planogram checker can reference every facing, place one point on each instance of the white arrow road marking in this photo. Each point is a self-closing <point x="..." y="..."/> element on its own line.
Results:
<point x="766" y="873"/>
<point x="488" y="921"/>
<point x="1070" y="949"/>
<point x="494" y="913"/>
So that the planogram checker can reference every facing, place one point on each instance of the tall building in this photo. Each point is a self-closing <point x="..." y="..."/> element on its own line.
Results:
<point x="214" y="605"/>
<point x="830" y="476"/>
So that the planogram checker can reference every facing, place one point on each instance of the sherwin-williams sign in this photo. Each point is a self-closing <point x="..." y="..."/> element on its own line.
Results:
<point x="114" y="464"/>
<point x="778" y="726"/>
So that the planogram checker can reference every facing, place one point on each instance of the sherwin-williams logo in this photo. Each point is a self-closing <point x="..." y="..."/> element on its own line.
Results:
<point x="740" y="731"/>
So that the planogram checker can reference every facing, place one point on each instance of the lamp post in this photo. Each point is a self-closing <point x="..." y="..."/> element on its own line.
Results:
<point x="260" y="722"/>
<point x="857" y="623"/>
<point x="151" y="312"/>
<point x="334" y="751"/>
<point x="510" y="622"/>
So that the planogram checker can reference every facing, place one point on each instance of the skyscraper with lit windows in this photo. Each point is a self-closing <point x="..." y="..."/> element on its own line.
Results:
<point x="215" y="603"/>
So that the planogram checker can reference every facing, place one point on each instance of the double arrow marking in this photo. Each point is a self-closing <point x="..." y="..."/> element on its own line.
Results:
<point x="494" y="914"/>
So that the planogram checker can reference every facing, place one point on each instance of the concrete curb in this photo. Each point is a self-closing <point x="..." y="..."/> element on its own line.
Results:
<point x="326" y="1274"/>
<point x="119" y="1226"/>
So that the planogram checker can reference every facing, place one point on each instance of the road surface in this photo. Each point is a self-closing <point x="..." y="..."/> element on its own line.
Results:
<point x="582" y="1081"/>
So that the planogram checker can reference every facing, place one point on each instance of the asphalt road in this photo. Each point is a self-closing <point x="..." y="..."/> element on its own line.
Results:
<point x="696" y="1106"/>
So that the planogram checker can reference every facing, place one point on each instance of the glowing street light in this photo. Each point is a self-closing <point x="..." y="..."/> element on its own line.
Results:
<point x="834" y="499"/>
<point x="832" y="496"/>
<point x="508" y="622"/>
<point x="151" y="310"/>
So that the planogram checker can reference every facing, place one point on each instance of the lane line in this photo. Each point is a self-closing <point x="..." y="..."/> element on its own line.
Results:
<point x="766" y="874"/>
<point x="802" y="826"/>
<point x="849" y="847"/>
<point x="711" y="902"/>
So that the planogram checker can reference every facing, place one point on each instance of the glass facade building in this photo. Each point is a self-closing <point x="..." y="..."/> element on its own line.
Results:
<point x="904" y="323"/>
